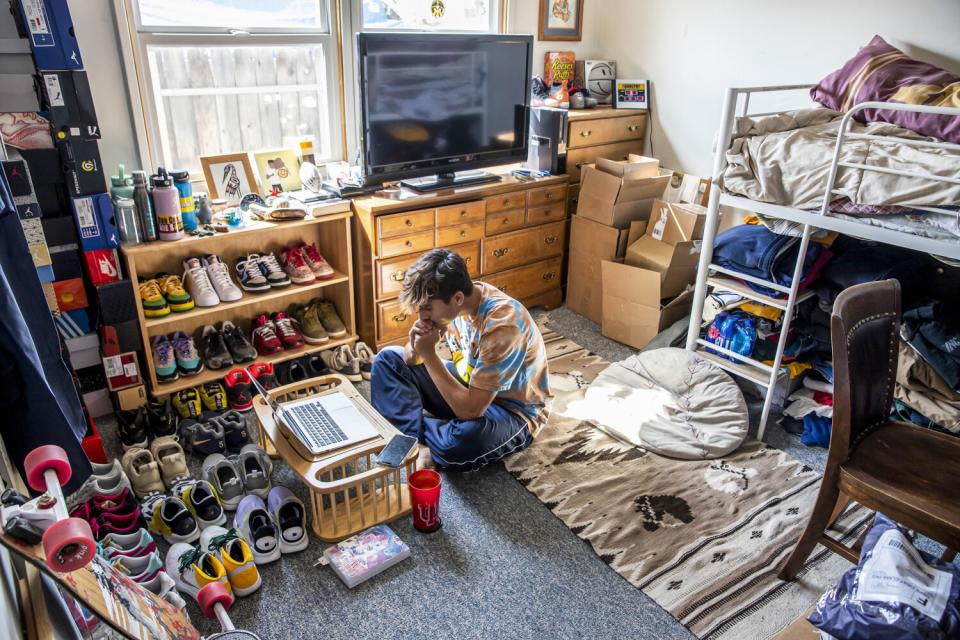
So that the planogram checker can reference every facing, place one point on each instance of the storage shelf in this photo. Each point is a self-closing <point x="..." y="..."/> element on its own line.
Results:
<point x="185" y="382"/>
<point x="729" y="284"/>
<point x="156" y="326"/>
<point x="744" y="371"/>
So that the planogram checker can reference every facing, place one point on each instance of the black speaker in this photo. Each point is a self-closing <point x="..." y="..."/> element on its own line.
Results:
<point x="116" y="302"/>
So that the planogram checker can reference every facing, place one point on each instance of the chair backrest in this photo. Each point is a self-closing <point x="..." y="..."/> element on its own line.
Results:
<point x="865" y="332"/>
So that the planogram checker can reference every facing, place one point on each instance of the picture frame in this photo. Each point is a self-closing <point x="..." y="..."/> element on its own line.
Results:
<point x="277" y="169"/>
<point x="229" y="176"/>
<point x="561" y="20"/>
<point x="631" y="94"/>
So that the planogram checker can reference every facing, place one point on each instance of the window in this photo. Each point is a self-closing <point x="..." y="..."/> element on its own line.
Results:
<point x="424" y="15"/>
<point x="222" y="76"/>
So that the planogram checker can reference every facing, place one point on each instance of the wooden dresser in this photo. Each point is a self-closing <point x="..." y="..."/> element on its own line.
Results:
<point x="512" y="235"/>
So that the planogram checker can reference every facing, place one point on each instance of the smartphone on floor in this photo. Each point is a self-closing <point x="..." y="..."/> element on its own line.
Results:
<point x="396" y="450"/>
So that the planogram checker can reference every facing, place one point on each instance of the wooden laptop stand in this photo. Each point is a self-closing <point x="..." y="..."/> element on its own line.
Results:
<point x="348" y="491"/>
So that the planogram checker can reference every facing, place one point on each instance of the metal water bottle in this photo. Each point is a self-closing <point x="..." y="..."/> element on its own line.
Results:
<point x="128" y="222"/>
<point x="166" y="206"/>
<point x="188" y="209"/>
<point x="141" y="198"/>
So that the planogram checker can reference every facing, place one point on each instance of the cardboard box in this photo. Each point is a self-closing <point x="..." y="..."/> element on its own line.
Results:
<point x="633" y="312"/>
<point x="131" y="398"/>
<point x="799" y="629"/>
<point x="71" y="294"/>
<point x="102" y="266"/>
<point x="591" y="243"/>
<point x="84" y="351"/>
<point x="617" y="193"/>
<point x="98" y="403"/>
<point x="94" y="218"/>
<point x="122" y="371"/>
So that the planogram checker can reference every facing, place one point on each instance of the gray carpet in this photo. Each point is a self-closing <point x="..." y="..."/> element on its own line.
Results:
<point x="502" y="566"/>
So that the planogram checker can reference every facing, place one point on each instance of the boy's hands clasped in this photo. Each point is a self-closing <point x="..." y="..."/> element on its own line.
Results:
<point x="424" y="336"/>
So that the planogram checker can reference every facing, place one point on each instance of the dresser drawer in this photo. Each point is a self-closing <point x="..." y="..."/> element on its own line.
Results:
<point x="447" y="236"/>
<point x="399" y="223"/>
<point x="400" y="245"/>
<point x="504" y="221"/>
<point x="573" y="197"/>
<point x="547" y="195"/>
<point x="588" y="133"/>
<point x="522" y="247"/>
<point x="530" y="280"/>
<point x="389" y="274"/>
<point x="576" y="158"/>
<point x="392" y="322"/>
<point x="516" y="200"/>
<point x="549" y="213"/>
<point x="458" y="213"/>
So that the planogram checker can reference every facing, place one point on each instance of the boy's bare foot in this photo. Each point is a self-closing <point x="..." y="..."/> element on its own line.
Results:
<point x="424" y="459"/>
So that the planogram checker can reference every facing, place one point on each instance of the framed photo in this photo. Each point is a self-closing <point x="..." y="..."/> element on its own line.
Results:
<point x="278" y="170"/>
<point x="229" y="176"/>
<point x="561" y="19"/>
<point x="631" y="94"/>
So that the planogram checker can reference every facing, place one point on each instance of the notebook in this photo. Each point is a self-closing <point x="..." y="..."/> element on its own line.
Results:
<point x="366" y="554"/>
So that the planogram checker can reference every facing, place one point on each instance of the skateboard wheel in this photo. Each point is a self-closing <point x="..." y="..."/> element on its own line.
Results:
<point x="68" y="545"/>
<point x="211" y="594"/>
<point x="49" y="456"/>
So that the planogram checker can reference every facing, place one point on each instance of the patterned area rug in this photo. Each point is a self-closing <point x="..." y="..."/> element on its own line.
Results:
<point x="704" y="539"/>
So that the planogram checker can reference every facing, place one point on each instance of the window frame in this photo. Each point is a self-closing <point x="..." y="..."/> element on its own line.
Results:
<point x="143" y="88"/>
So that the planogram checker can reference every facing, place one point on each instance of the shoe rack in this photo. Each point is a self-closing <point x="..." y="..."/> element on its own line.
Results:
<point x="329" y="227"/>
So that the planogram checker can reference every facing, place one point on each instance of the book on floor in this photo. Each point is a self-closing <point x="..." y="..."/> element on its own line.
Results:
<point x="366" y="554"/>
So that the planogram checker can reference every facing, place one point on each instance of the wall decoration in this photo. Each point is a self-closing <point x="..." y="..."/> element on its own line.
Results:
<point x="279" y="170"/>
<point x="561" y="19"/>
<point x="631" y="94"/>
<point x="229" y="176"/>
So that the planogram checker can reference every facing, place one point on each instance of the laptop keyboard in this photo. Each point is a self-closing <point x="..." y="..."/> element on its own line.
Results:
<point x="319" y="428"/>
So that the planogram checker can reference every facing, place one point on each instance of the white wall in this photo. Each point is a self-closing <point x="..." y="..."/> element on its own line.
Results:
<point x="693" y="49"/>
<point x="524" y="17"/>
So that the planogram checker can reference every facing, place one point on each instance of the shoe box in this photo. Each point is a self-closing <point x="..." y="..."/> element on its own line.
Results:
<point x="84" y="351"/>
<point x="122" y="371"/>
<point x="95" y="222"/>
<point x="49" y="185"/>
<point x="116" y="302"/>
<point x="130" y="398"/>
<point x="64" y="245"/>
<point x="66" y="97"/>
<point x="93" y="390"/>
<point x="102" y="266"/>
<point x="48" y="26"/>
<point x="71" y="294"/>
<point x="81" y="163"/>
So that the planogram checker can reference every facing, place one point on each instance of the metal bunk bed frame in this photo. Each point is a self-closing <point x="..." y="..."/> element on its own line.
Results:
<point x="710" y="275"/>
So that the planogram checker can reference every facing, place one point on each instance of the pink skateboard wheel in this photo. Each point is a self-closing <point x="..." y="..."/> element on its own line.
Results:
<point x="210" y="595"/>
<point x="68" y="545"/>
<point x="48" y="456"/>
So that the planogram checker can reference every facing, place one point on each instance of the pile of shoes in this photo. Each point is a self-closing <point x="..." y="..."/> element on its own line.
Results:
<point x="193" y="401"/>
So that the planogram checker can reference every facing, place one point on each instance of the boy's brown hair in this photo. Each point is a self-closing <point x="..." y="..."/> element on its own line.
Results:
<point x="439" y="273"/>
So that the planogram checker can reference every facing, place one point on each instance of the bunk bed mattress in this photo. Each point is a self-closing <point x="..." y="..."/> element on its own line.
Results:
<point x="785" y="158"/>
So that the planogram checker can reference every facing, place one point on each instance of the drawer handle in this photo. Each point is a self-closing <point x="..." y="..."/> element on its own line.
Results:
<point x="550" y="239"/>
<point x="409" y="243"/>
<point x="633" y="127"/>
<point x="505" y="221"/>
<point x="503" y="288"/>
<point x="398" y="276"/>
<point x="579" y="165"/>
<point x="586" y="133"/>
<point x="548" y="195"/>
<point x="550" y="275"/>
<point x="468" y="259"/>
<point x="400" y="317"/>
<point x="506" y="202"/>
<point x="499" y="253"/>
<point x="408" y="222"/>
<point x="463" y="213"/>
<point x="463" y="233"/>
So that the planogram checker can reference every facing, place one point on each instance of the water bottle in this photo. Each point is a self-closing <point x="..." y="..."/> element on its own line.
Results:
<point x="166" y="206"/>
<point x="121" y="186"/>
<point x="141" y="198"/>
<point x="181" y="180"/>
<point x="128" y="222"/>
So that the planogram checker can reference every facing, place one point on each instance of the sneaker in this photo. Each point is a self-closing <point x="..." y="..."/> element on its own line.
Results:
<point x="249" y="274"/>
<point x="234" y="428"/>
<point x="169" y="517"/>
<point x="176" y="296"/>
<point x="290" y="516"/>
<point x="198" y="283"/>
<point x="106" y="479"/>
<point x="138" y="543"/>
<point x="255" y="468"/>
<point x="164" y="359"/>
<point x="286" y="330"/>
<point x="192" y="568"/>
<point x="264" y="373"/>
<point x="264" y="336"/>
<point x="364" y="355"/>
<point x="254" y="524"/>
<point x="271" y="270"/>
<point x="202" y="502"/>
<point x="332" y="323"/>
<point x="317" y="263"/>
<point x="152" y="300"/>
<point x="225" y="478"/>
<point x="315" y="366"/>
<point x="292" y="371"/>
<point x="165" y="587"/>
<point x="213" y="396"/>
<point x="216" y="355"/>
<point x="120" y="504"/>
<point x="161" y="418"/>
<point x="202" y="437"/>
<point x="239" y="389"/>
<point x="133" y="428"/>
<point x="219" y="274"/>
<point x="143" y="471"/>
<point x="169" y="456"/>
<point x="240" y="348"/>
<point x="341" y="361"/>
<point x="188" y="359"/>
<point x="187" y="403"/>
<point x="138" y="568"/>
<point x="110" y="523"/>
<point x="310" y="326"/>
<point x="295" y="266"/>
<point x="235" y="555"/>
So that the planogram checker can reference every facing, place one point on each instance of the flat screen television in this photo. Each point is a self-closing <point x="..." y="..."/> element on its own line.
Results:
<point x="441" y="103"/>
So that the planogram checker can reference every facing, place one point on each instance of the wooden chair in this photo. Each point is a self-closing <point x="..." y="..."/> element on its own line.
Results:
<point x="907" y="472"/>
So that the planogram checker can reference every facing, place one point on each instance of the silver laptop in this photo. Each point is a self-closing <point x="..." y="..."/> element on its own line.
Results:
<point x="320" y="423"/>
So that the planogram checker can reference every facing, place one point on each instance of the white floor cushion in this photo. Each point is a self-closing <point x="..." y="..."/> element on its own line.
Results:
<point x="672" y="402"/>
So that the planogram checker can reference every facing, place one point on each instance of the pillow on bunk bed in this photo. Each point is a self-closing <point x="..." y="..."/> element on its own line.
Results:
<point x="671" y="402"/>
<point x="883" y="73"/>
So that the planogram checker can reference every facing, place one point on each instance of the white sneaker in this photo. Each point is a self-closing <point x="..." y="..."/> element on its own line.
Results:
<point x="166" y="588"/>
<point x="219" y="274"/>
<point x="236" y="557"/>
<point x="107" y="480"/>
<point x="197" y="282"/>
<point x="192" y="568"/>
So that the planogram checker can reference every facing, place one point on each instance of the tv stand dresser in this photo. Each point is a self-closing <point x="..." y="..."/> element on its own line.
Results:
<point x="512" y="235"/>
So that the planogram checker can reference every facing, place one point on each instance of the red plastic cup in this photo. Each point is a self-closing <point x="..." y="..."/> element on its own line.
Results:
<point x="425" y="500"/>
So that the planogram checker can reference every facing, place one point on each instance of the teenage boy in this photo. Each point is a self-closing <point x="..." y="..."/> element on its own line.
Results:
<point x="491" y="400"/>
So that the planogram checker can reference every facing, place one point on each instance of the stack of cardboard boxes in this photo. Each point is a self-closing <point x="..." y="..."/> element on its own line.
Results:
<point x="632" y="254"/>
